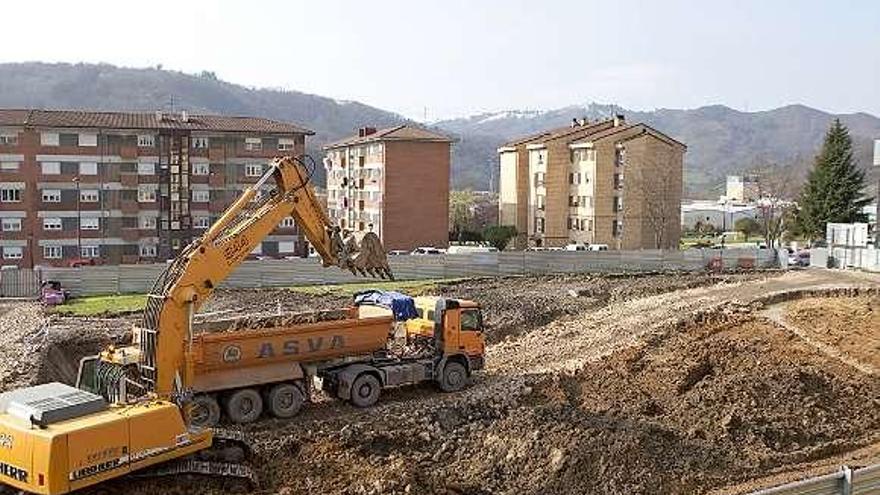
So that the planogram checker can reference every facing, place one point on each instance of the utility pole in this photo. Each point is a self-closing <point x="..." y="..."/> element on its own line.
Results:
<point x="78" y="220"/>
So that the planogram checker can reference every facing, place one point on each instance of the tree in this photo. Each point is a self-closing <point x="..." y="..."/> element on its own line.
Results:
<point x="658" y="188"/>
<point x="748" y="227"/>
<point x="834" y="188"/>
<point x="461" y="212"/>
<point x="499" y="235"/>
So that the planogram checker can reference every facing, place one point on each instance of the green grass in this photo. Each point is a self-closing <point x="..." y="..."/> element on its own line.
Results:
<point x="411" y="287"/>
<point x="102" y="305"/>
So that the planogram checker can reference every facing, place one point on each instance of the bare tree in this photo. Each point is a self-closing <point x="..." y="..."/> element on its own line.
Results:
<point x="778" y="187"/>
<point x="658" y="189"/>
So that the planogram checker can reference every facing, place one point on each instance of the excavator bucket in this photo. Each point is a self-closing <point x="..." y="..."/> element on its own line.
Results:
<point x="364" y="254"/>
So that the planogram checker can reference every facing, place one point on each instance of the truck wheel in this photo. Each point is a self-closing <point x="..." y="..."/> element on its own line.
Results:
<point x="454" y="377"/>
<point x="365" y="390"/>
<point x="205" y="411"/>
<point x="244" y="406"/>
<point x="285" y="400"/>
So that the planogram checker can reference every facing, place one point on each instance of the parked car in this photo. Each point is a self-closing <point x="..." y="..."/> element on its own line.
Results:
<point x="78" y="262"/>
<point x="799" y="258"/>
<point x="598" y="247"/>
<point x="420" y="251"/>
<point x="577" y="247"/>
<point x="398" y="252"/>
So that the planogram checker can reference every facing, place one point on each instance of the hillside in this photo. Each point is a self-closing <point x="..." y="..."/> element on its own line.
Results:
<point x="720" y="140"/>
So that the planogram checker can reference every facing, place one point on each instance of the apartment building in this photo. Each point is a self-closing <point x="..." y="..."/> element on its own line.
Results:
<point x="394" y="182"/>
<point x="606" y="182"/>
<point x="113" y="187"/>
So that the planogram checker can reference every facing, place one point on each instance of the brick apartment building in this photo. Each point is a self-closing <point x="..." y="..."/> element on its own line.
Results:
<point x="128" y="187"/>
<point x="392" y="181"/>
<point x="605" y="182"/>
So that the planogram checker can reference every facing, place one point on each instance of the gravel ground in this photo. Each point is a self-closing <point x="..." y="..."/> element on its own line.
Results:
<point x="644" y="387"/>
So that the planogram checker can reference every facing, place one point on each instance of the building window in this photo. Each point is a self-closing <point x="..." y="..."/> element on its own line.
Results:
<point x="90" y="223"/>
<point x="51" y="224"/>
<point x="88" y="140"/>
<point x="253" y="169"/>
<point x="11" y="224"/>
<point x="88" y="168"/>
<point x="618" y="181"/>
<point x="51" y="196"/>
<point x="49" y="139"/>
<point x="146" y="168"/>
<point x="285" y="144"/>
<point x="200" y="143"/>
<point x="287" y="223"/>
<point x="90" y="252"/>
<point x="618" y="204"/>
<point x="200" y="169"/>
<point x="146" y="141"/>
<point x="617" y="229"/>
<point x="620" y="156"/>
<point x="253" y="144"/>
<point x="88" y="195"/>
<point x="12" y="252"/>
<point x="52" y="252"/>
<point x="286" y="247"/>
<point x="148" y="250"/>
<point x="200" y="196"/>
<point x="8" y="166"/>
<point x="8" y="139"/>
<point x="146" y="193"/>
<point x="10" y="195"/>
<point x="50" y="168"/>
<point x="202" y="222"/>
<point x="540" y="201"/>
<point x="147" y="222"/>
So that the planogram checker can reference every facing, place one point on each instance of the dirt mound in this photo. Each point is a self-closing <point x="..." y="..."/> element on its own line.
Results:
<point x="850" y="324"/>
<point x="696" y="410"/>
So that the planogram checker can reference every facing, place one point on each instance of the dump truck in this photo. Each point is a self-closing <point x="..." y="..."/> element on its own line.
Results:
<point x="133" y="415"/>
<point x="270" y="365"/>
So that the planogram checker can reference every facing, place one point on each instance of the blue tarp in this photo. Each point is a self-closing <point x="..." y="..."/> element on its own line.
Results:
<point x="401" y="305"/>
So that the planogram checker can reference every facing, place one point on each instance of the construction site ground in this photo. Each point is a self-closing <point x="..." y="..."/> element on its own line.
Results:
<point x="649" y="384"/>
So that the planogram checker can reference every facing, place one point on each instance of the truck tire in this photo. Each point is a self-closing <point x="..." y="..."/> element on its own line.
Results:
<point x="244" y="406"/>
<point x="365" y="390"/>
<point x="284" y="400"/>
<point x="205" y="411"/>
<point x="455" y="377"/>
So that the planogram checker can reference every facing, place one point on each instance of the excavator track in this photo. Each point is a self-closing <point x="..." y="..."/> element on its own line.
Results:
<point x="226" y="458"/>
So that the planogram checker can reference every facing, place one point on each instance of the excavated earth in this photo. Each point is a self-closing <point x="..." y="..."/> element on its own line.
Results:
<point x="637" y="385"/>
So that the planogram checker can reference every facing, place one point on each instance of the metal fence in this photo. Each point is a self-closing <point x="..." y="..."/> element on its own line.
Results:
<point x="867" y="259"/>
<point x="122" y="279"/>
<point x="19" y="283"/>
<point x="847" y="481"/>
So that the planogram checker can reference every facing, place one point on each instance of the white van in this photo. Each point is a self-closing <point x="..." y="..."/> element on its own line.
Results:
<point x="576" y="247"/>
<point x="471" y="249"/>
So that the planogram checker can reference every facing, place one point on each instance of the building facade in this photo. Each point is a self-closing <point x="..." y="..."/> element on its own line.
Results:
<point x="394" y="182"/>
<point x="606" y="182"/>
<point x="108" y="187"/>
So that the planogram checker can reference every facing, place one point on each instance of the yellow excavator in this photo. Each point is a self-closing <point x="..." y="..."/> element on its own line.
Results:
<point x="55" y="438"/>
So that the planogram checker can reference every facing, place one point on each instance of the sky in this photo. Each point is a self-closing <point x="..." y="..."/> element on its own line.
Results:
<point x="431" y="60"/>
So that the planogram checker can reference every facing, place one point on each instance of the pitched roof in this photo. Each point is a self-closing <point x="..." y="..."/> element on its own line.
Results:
<point x="562" y="132"/>
<point x="642" y="128"/>
<point x="145" y="121"/>
<point x="398" y="133"/>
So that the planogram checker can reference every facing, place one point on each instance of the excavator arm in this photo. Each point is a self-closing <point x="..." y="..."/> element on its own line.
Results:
<point x="163" y="339"/>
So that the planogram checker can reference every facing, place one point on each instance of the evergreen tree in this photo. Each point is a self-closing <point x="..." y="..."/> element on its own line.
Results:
<point x="833" y="192"/>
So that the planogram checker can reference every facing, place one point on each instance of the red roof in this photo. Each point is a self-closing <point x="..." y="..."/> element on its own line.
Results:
<point x="397" y="133"/>
<point x="145" y="121"/>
